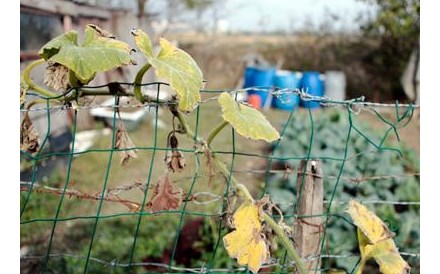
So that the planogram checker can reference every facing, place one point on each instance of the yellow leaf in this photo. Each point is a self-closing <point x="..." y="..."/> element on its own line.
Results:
<point x="386" y="255"/>
<point x="247" y="216"/>
<point x="143" y="42"/>
<point x="176" y="66"/>
<point x="371" y="225"/>
<point x="247" y="121"/>
<point x="375" y="241"/>
<point x="246" y="243"/>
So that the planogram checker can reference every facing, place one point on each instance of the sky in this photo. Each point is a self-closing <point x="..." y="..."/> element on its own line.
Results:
<point x="269" y="15"/>
<point x="274" y="15"/>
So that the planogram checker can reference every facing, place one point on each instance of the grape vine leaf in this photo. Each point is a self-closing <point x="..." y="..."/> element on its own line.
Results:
<point x="176" y="66"/>
<point x="375" y="241"/>
<point x="28" y="136"/>
<point x="371" y="226"/>
<point x="97" y="53"/>
<point x="166" y="196"/>
<point x="247" y="121"/>
<point x="246" y="243"/>
<point x="124" y="142"/>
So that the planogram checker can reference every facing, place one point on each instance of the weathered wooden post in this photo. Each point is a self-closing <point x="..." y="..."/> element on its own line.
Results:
<point x="310" y="198"/>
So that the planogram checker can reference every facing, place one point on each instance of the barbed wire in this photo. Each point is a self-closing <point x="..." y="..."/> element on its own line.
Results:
<point x="356" y="104"/>
<point x="202" y="269"/>
<point x="111" y="194"/>
<point x="288" y="172"/>
<point x="194" y="197"/>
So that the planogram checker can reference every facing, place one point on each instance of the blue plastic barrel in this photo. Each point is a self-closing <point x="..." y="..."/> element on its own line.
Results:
<point x="259" y="77"/>
<point x="249" y="77"/>
<point x="312" y="84"/>
<point x="286" y="79"/>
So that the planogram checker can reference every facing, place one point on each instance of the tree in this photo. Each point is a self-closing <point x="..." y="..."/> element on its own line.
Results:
<point x="396" y="27"/>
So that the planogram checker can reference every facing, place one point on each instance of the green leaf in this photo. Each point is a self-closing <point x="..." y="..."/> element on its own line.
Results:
<point x="247" y="121"/>
<point x="176" y="66"/>
<point x="96" y="54"/>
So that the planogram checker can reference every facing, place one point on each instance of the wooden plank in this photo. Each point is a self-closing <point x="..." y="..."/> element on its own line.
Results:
<point x="310" y="197"/>
<point x="66" y="8"/>
<point x="54" y="6"/>
<point x="93" y="12"/>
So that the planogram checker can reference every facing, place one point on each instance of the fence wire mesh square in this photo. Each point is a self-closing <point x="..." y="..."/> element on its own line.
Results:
<point x="84" y="212"/>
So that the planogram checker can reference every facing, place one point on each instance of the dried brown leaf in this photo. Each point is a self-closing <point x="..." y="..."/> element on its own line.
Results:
<point x="174" y="159"/>
<point x="28" y="136"/>
<point x="123" y="141"/>
<point x="56" y="76"/>
<point x="166" y="196"/>
<point x="102" y="32"/>
<point x="209" y="165"/>
<point x="24" y="87"/>
<point x="85" y="101"/>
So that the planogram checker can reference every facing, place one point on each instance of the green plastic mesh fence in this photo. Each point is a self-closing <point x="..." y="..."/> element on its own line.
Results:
<point x="86" y="200"/>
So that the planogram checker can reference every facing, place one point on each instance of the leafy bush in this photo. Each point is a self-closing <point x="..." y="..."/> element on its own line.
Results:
<point x="114" y="242"/>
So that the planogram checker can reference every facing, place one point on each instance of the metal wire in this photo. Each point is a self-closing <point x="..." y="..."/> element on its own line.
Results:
<point x="208" y="203"/>
<point x="116" y="264"/>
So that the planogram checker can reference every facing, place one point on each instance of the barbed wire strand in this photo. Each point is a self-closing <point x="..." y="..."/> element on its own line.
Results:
<point x="116" y="264"/>
<point x="274" y="91"/>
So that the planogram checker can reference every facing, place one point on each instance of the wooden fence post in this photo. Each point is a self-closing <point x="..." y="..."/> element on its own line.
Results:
<point x="310" y="198"/>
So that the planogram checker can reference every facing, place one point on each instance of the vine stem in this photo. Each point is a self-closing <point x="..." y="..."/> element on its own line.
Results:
<point x="35" y="102"/>
<point x="86" y="92"/>
<point x="138" y="82"/>
<point x="216" y="131"/>
<point x="243" y="192"/>
<point x="287" y="244"/>
<point x="187" y="128"/>
<point x="31" y="84"/>
<point x="360" y="267"/>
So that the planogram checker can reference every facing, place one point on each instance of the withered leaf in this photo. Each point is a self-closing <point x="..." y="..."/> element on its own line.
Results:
<point x="28" y="136"/>
<point x="85" y="101"/>
<point x="173" y="142"/>
<point x="166" y="196"/>
<point x="102" y="32"/>
<point x="209" y="164"/>
<point x="56" y="76"/>
<point x="24" y="87"/>
<point x="123" y="141"/>
<point x="246" y="242"/>
<point x="174" y="159"/>
<point x="376" y="241"/>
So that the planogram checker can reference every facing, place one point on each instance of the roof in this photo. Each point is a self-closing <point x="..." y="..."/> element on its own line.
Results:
<point x="81" y="8"/>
